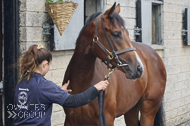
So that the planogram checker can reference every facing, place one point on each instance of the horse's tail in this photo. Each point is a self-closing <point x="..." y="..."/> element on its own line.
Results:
<point x="159" y="117"/>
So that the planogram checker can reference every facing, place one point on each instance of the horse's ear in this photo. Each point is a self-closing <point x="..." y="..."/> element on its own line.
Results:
<point x="117" y="9"/>
<point x="110" y="11"/>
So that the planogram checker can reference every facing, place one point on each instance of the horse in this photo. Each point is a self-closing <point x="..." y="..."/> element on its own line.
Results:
<point x="136" y="85"/>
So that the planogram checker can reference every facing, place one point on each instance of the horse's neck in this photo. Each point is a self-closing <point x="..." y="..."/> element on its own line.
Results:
<point x="84" y="57"/>
<point x="82" y="65"/>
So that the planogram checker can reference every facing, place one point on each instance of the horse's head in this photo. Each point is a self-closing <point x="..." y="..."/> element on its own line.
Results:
<point x="112" y="43"/>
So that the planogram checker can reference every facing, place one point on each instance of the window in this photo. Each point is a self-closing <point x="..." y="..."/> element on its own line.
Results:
<point x="186" y="26"/>
<point x="68" y="39"/>
<point x="91" y="7"/>
<point x="149" y="22"/>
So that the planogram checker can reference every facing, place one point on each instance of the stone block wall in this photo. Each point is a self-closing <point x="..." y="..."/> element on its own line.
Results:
<point x="176" y="102"/>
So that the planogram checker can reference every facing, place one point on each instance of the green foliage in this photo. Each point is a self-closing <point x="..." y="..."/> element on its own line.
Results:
<point x="53" y="1"/>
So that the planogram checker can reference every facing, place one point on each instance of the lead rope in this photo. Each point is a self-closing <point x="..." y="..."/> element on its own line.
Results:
<point x="101" y="98"/>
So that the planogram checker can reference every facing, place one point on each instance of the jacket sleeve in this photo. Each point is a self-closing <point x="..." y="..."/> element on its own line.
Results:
<point x="81" y="99"/>
<point x="52" y="93"/>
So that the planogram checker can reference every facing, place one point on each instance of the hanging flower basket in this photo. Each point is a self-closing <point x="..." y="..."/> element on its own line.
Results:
<point x="61" y="13"/>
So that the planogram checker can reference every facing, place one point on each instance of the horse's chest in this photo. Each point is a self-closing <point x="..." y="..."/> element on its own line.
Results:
<point x="86" y="115"/>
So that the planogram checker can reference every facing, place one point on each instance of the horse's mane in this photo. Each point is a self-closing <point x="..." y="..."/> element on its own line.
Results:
<point x="88" y="21"/>
<point x="92" y="17"/>
<point x="115" y="17"/>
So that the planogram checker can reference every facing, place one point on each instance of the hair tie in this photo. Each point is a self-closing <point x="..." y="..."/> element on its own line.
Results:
<point x="39" y="46"/>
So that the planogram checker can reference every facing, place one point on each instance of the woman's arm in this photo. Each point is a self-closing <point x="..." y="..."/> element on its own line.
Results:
<point x="81" y="99"/>
<point x="85" y="97"/>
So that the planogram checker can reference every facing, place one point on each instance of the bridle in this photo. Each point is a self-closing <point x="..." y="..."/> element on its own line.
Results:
<point x="113" y="54"/>
<point x="110" y="55"/>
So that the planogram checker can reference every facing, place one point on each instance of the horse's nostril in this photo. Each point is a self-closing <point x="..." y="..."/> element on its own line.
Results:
<point x="139" y="71"/>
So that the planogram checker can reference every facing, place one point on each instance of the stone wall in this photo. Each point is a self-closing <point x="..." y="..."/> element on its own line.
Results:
<point x="176" y="102"/>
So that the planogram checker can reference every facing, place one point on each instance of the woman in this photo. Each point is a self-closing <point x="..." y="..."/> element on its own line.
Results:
<point x="34" y="95"/>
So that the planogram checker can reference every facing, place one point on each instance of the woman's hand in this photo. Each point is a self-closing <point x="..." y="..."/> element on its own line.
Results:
<point x="65" y="86"/>
<point x="102" y="85"/>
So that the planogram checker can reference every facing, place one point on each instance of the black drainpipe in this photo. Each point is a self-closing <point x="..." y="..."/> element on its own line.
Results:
<point x="11" y="54"/>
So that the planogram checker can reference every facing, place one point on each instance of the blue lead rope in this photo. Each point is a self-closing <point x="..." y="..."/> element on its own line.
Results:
<point x="101" y="98"/>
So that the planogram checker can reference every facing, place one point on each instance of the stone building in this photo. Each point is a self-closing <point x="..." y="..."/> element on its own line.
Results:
<point x="165" y="21"/>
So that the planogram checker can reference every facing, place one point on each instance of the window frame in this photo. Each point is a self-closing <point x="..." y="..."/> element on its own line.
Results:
<point x="144" y="22"/>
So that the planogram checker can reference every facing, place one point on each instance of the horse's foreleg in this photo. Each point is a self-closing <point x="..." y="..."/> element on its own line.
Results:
<point x="109" y="121"/>
<point x="148" y="111"/>
<point x="131" y="117"/>
<point x="109" y="116"/>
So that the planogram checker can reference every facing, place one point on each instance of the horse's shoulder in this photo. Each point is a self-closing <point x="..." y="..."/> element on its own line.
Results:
<point x="147" y="54"/>
<point x="142" y="46"/>
<point x="145" y="49"/>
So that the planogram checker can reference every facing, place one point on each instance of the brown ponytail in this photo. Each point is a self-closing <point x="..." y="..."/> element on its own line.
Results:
<point x="30" y="59"/>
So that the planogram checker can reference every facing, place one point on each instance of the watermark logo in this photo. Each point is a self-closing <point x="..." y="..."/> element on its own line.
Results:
<point x="12" y="114"/>
<point x="38" y="111"/>
<point x="10" y="109"/>
<point x="24" y="110"/>
<point x="22" y="99"/>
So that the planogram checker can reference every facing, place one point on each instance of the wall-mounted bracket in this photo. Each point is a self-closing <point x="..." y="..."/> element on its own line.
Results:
<point x="183" y="32"/>
<point x="46" y="28"/>
<point x="1" y="85"/>
<point x="137" y="31"/>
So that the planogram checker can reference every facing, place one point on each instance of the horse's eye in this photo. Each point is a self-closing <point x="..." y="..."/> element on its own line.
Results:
<point x="117" y="34"/>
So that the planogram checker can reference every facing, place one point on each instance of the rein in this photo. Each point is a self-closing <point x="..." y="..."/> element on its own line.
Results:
<point x="110" y="55"/>
<point x="101" y="98"/>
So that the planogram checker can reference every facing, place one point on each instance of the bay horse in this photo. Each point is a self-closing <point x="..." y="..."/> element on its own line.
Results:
<point x="137" y="85"/>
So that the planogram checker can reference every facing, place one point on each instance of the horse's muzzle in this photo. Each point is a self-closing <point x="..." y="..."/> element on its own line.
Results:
<point x="132" y="75"/>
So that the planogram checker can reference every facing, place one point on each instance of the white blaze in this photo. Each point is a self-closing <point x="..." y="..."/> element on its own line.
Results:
<point x="138" y="59"/>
